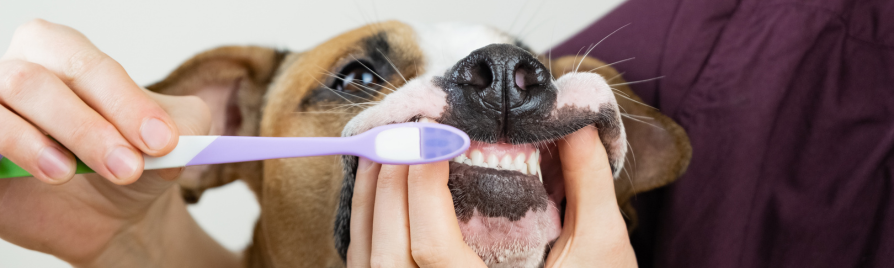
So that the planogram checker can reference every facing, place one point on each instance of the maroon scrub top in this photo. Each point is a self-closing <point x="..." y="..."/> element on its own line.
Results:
<point x="789" y="106"/>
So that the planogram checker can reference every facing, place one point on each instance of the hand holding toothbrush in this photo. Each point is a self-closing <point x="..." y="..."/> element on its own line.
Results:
<point x="54" y="81"/>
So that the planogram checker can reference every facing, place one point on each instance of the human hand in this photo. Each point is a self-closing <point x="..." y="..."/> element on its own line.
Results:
<point x="594" y="233"/>
<point x="404" y="216"/>
<point x="55" y="81"/>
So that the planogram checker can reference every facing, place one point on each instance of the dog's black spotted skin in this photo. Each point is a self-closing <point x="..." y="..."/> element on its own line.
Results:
<point x="494" y="193"/>
<point x="484" y="100"/>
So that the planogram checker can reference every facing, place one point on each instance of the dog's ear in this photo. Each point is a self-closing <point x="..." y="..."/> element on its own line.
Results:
<point x="659" y="148"/>
<point x="232" y="81"/>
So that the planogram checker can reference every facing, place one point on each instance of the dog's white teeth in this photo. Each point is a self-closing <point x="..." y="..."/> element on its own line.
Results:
<point x="460" y="158"/>
<point x="539" y="174"/>
<point x="519" y="164"/>
<point x="532" y="163"/>
<point x="506" y="162"/>
<point x="477" y="158"/>
<point x="492" y="161"/>
<point x="426" y="120"/>
<point x="528" y="164"/>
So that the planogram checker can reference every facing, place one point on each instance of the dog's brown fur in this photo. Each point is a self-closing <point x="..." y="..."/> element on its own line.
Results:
<point x="298" y="196"/>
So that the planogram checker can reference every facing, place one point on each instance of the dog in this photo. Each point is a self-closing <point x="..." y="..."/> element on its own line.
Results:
<point x="512" y="102"/>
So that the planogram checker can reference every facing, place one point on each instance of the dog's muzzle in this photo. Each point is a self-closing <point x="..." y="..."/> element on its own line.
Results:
<point x="495" y="90"/>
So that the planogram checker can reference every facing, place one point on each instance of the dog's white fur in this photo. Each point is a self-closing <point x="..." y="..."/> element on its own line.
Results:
<point x="591" y="91"/>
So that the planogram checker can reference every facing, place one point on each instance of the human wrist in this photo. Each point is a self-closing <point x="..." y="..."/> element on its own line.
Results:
<point x="165" y="236"/>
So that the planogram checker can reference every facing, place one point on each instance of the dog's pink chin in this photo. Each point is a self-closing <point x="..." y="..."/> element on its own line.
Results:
<point x="515" y="243"/>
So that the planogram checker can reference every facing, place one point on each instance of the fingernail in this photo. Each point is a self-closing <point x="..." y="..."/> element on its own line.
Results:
<point x="54" y="163"/>
<point x="156" y="134"/>
<point x="364" y="164"/>
<point x="122" y="162"/>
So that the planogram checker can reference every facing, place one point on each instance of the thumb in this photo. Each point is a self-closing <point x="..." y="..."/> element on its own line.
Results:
<point x="594" y="233"/>
<point x="190" y="113"/>
<point x="191" y="116"/>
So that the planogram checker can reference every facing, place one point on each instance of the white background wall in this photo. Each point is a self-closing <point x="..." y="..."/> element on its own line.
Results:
<point x="150" y="38"/>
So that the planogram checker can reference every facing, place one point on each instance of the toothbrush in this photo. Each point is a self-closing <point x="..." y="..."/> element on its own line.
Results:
<point x="396" y="144"/>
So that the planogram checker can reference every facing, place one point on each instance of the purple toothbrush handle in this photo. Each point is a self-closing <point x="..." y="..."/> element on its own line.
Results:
<point x="228" y="149"/>
<point x="437" y="143"/>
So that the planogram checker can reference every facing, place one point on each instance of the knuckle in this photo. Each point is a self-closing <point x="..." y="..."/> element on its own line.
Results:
<point x="425" y="255"/>
<point x="9" y="138"/>
<point x="91" y="130"/>
<point x="34" y="26"/>
<point x="17" y="77"/>
<point x="382" y="261"/>
<point x="83" y="61"/>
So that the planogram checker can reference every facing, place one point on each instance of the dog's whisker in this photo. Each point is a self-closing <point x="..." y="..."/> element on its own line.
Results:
<point x="624" y="95"/>
<point x="584" y="57"/>
<point x="614" y="77"/>
<point x="339" y="94"/>
<point x="517" y="15"/>
<point x="384" y="86"/>
<point x="632" y="154"/>
<point x="371" y="103"/>
<point x="624" y="214"/>
<point x="641" y="121"/>
<point x="610" y="64"/>
<point x="533" y="15"/>
<point x="643" y="117"/>
<point x="373" y="26"/>
<point x="637" y="82"/>
<point x="376" y="74"/>
<point x="564" y="70"/>
<point x="359" y="85"/>
<point x="392" y="65"/>
<point x="600" y="42"/>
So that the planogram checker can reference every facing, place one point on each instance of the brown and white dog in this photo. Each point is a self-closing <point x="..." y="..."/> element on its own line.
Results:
<point x="508" y="188"/>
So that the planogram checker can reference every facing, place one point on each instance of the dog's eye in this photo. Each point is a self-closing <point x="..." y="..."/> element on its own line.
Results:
<point x="356" y="77"/>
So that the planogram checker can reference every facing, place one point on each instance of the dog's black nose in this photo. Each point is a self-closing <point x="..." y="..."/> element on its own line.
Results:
<point x="501" y="84"/>
<point x="504" y="76"/>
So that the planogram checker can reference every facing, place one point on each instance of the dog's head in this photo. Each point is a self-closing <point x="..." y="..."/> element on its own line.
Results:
<point x="508" y="188"/>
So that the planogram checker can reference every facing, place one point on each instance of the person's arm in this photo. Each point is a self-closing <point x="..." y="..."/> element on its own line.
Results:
<point x="166" y="237"/>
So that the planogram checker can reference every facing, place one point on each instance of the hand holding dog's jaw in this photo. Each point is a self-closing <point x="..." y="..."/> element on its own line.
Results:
<point x="403" y="216"/>
<point x="594" y="234"/>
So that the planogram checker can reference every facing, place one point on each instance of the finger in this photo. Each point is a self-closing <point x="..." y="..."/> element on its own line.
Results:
<point x="391" y="230"/>
<point x="99" y="80"/>
<point x="435" y="238"/>
<point x="24" y="145"/>
<point x="594" y="233"/>
<point x="44" y="100"/>
<point x="362" y="208"/>
<point x="191" y="116"/>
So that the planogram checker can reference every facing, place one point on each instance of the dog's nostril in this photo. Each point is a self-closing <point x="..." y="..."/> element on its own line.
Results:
<point x="480" y="75"/>
<point x="520" y="78"/>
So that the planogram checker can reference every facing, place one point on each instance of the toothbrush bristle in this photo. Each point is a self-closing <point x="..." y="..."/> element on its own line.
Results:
<point x="438" y="142"/>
